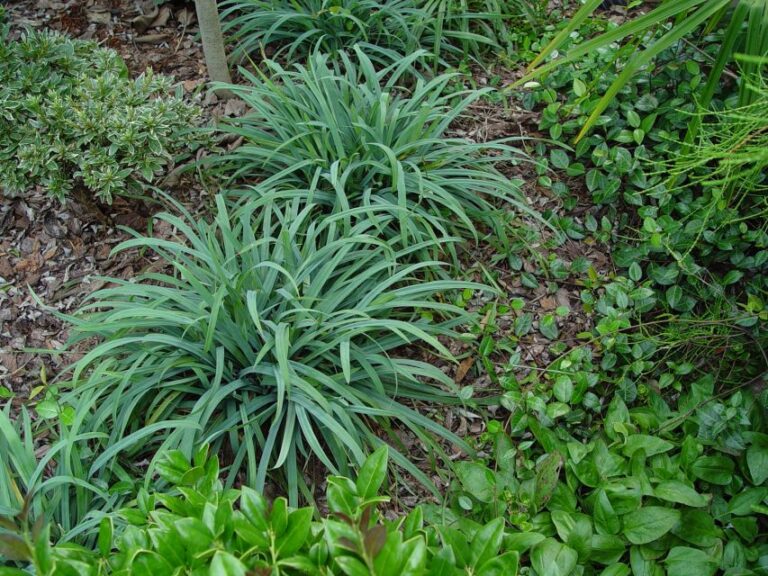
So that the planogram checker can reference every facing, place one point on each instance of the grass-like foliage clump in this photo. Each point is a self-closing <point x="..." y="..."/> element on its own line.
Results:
<point x="352" y="136"/>
<point x="386" y="28"/>
<point x="277" y="339"/>
<point x="70" y="118"/>
<point x="52" y="482"/>
<point x="730" y="155"/>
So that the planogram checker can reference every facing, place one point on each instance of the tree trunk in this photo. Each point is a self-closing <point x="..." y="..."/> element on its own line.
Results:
<point x="213" y="41"/>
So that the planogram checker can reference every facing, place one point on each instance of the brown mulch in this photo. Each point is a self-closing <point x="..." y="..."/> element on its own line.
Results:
<point x="146" y="36"/>
<point x="58" y="251"/>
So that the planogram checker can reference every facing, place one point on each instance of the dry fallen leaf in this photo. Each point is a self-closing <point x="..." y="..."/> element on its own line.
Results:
<point x="185" y="17"/>
<point x="99" y="16"/>
<point x="143" y="22"/>
<point x="234" y="107"/>
<point x="548" y="303"/>
<point x="191" y="85"/>
<point x="162" y="18"/>
<point x="461" y="371"/>
<point x="150" y="38"/>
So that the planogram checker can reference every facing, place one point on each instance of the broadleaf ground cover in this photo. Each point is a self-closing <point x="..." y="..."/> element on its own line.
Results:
<point x="278" y="390"/>
<point x="72" y="120"/>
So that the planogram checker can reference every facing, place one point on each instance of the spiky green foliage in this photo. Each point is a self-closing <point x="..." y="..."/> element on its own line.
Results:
<point x="730" y="154"/>
<point x="389" y="29"/>
<point x="277" y="340"/>
<point x="716" y="207"/>
<point x="462" y="21"/>
<point x="353" y="137"/>
<point x="44" y="475"/>
<point x="297" y="27"/>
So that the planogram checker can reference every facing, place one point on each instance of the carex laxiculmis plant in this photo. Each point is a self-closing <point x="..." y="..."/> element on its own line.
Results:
<point x="274" y="334"/>
<point x="353" y="136"/>
<point x="462" y="22"/>
<point x="388" y="29"/>
<point x="298" y="27"/>
<point x="50" y="485"/>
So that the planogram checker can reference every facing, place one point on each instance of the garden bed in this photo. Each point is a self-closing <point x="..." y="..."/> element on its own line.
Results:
<point x="526" y="310"/>
<point x="57" y="250"/>
<point x="60" y="253"/>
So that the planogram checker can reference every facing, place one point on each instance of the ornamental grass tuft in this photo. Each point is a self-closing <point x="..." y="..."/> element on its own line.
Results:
<point x="271" y="334"/>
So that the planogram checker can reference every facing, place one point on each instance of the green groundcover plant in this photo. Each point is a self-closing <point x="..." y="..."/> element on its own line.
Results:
<point x="746" y="31"/>
<point x="642" y="123"/>
<point x="729" y="163"/>
<point x="71" y="119"/>
<point x="353" y="137"/>
<point x="644" y="450"/>
<point x="44" y="472"/>
<point x="686" y="218"/>
<point x="655" y="487"/>
<point x="657" y="491"/>
<point x="198" y="527"/>
<point x="270" y="333"/>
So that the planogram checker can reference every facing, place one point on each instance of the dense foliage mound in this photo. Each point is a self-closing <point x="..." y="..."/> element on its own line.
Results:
<point x="198" y="527"/>
<point x="298" y="330"/>
<point x="272" y="334"/>
<point x="352" y="136"/>
<point x="70" y="118"/>
<point x="388" y="29"/>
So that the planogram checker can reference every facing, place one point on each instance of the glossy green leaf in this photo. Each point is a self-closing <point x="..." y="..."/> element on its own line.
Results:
<point x="606" y="519"/>
<point x="697" y="527"/>
<point x="714" y="469"/>
<point x="649" y="523"/>
<point x="551" y="558"/>
<point x="757" y="461"/>
<point x="486" y="543"/>
<point x="676" y="491"/>
<point x="225" y="564"/>
<point x="477" y="480"/>
<point x="651" y="444"/>
<point x="684" y="561"/>
<point x="616" y="570"/>
<point x="373" y="473"/>
<point x="506" y="564"/>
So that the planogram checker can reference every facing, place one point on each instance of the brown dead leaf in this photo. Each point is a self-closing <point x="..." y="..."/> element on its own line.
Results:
<point x="53" y="228"/>
<point x="185" y="16"/>
<point x="162" y="18"/>
<point x="6" y="268"/>
<point x="234" y="107"/>
<point x="102" y="252"/>
<point x="144" y="21"/>
<point x="99" y="16"/>
<point x="27" y="265"/>
<point x="8" y="361"/>
<point x="461" y="371"/>
<point x="191" y="85"/>
<point x="548" y="303"/>
<point x="150" y="38"/>
<point x="50" y="253"/>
